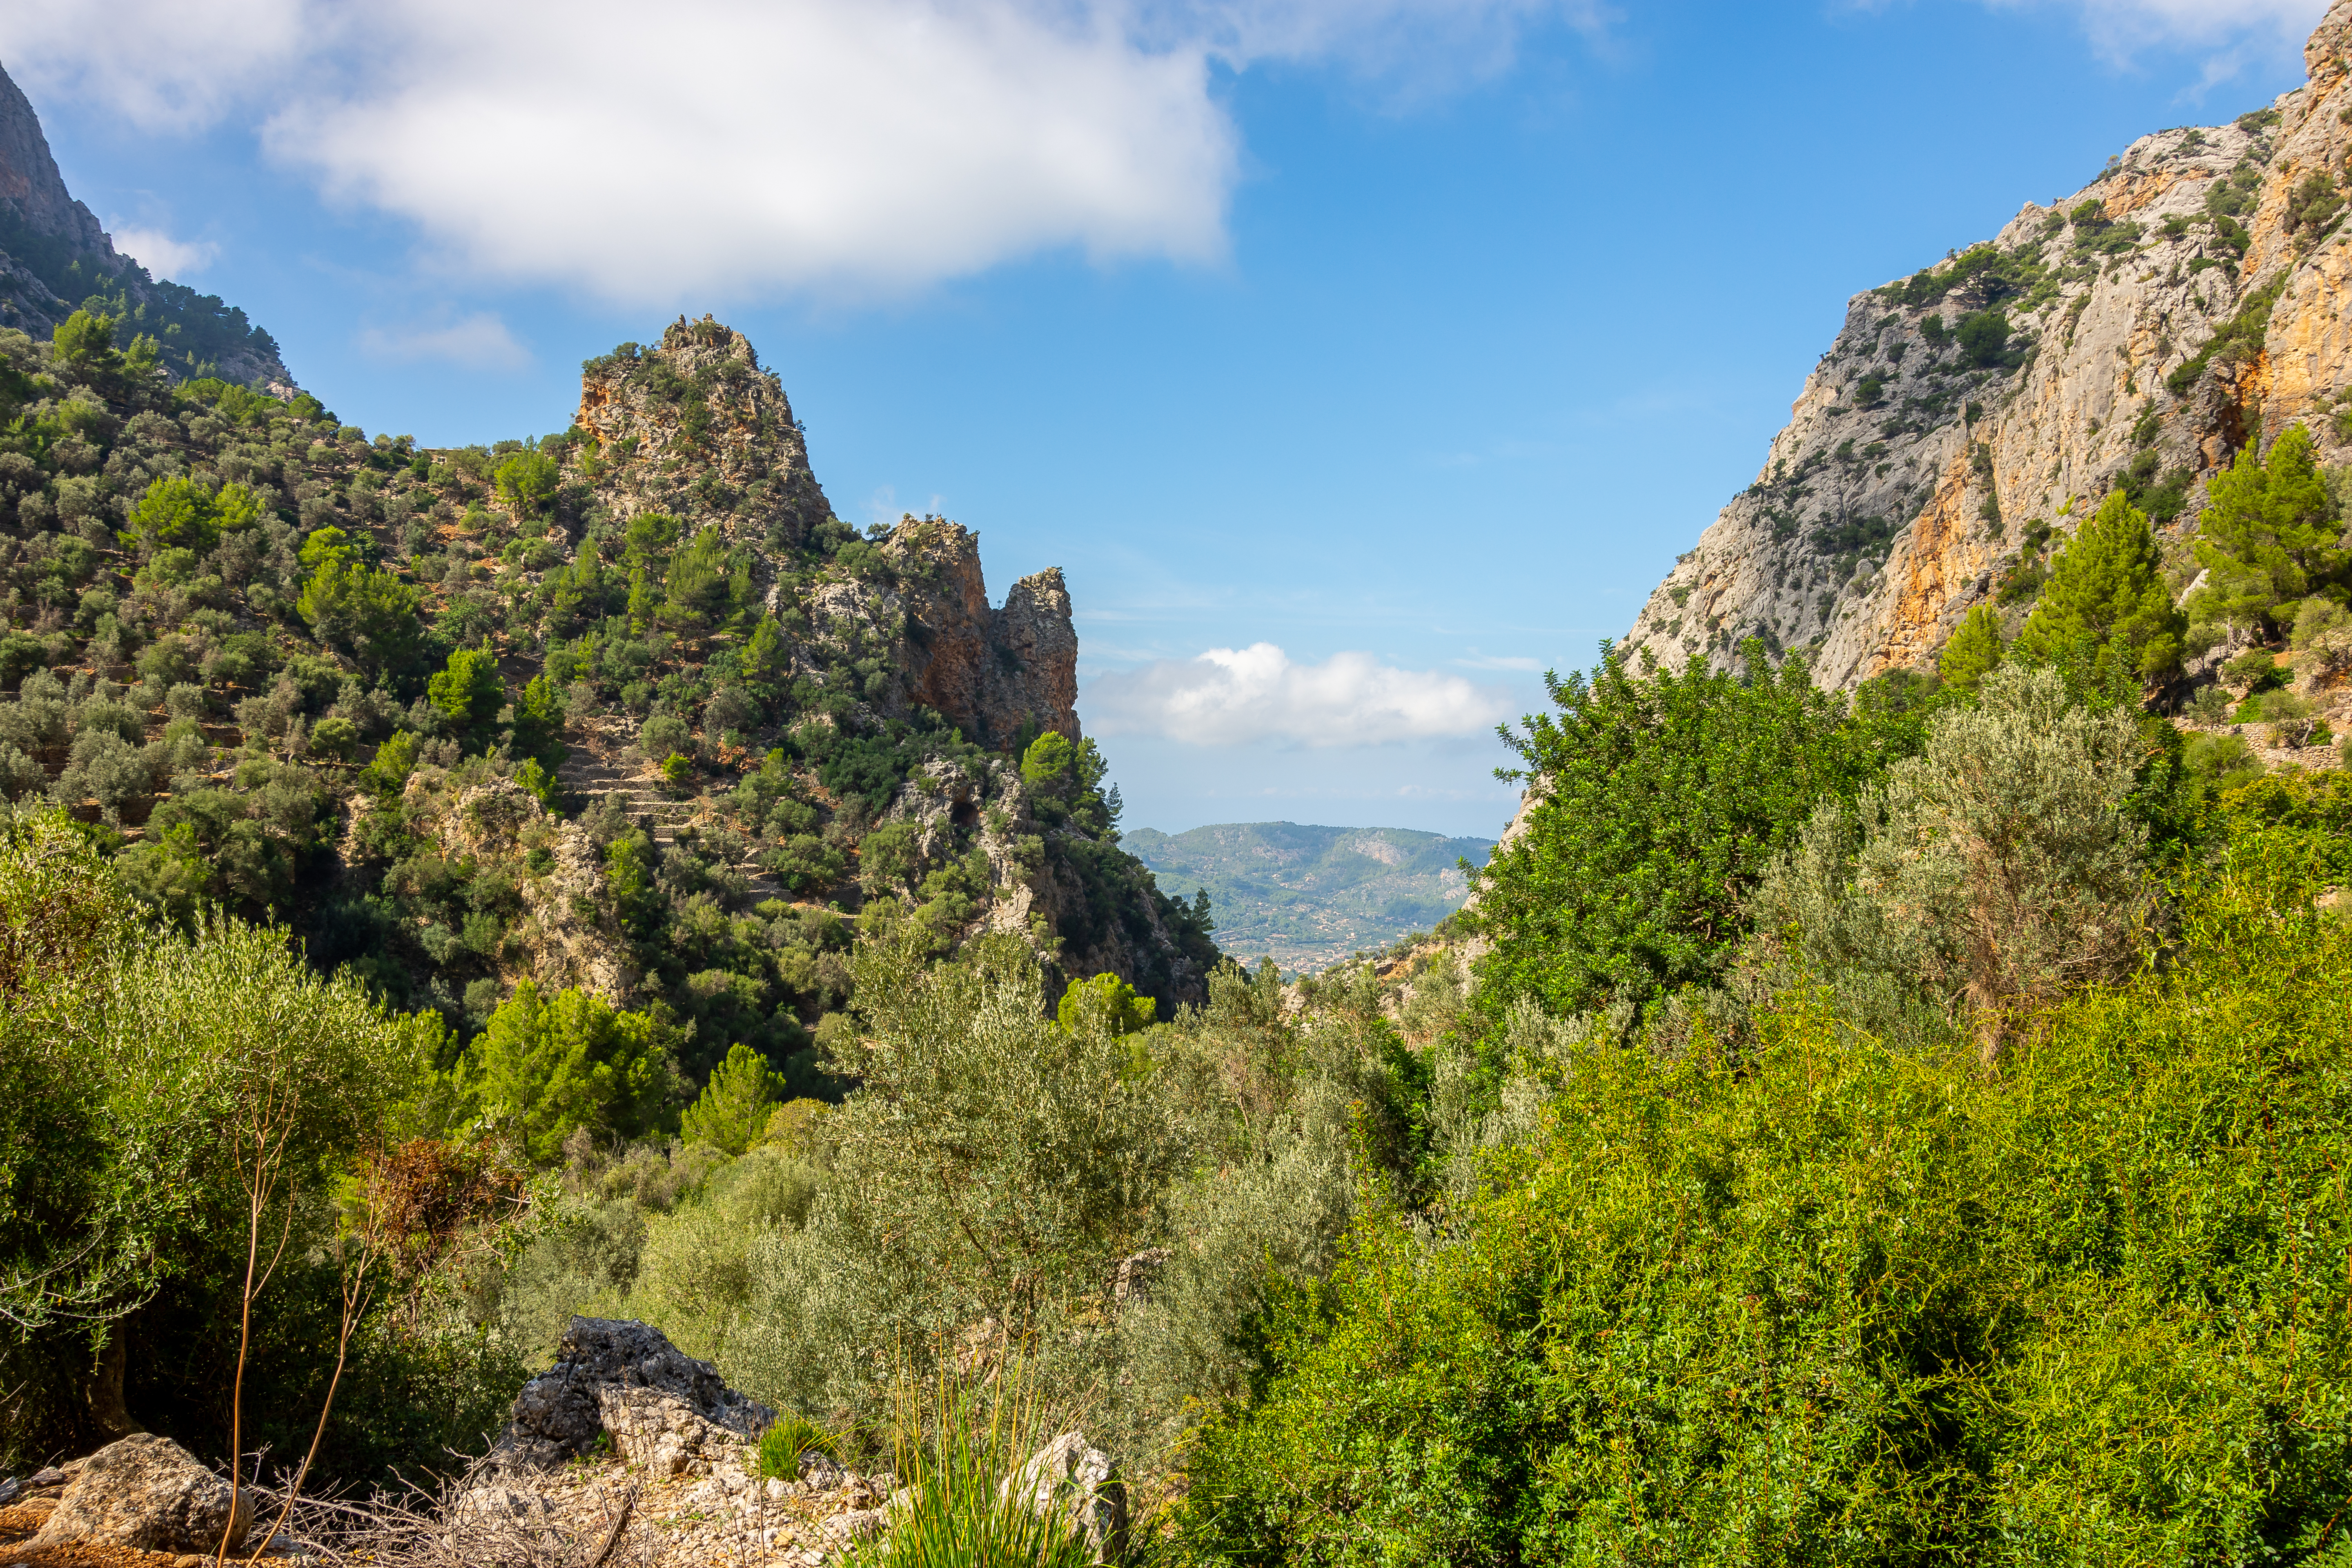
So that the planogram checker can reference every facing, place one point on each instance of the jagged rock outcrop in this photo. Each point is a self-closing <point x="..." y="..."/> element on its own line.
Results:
<point x="1921" y="473"/>
<point x="990" y="671"/>
<point x="29" y="179"/>
<point x="44" y="232"/>
<point x="695" y="427"/>
<point x="661" y="1408"/>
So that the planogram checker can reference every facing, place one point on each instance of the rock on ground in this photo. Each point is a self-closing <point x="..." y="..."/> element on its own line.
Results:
<point x="1070" y="1474"/>
<point x="150" y="1493"/>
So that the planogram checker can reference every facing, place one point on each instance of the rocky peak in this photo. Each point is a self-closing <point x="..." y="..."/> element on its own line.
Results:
<point x="694" y="427"/>
<point x="2137" y="333"/>
<point x="30" y="184"/>
<point x="55" y="256"/>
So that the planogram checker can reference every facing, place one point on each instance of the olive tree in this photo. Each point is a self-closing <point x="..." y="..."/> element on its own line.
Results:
<point x="1997" y="868"/>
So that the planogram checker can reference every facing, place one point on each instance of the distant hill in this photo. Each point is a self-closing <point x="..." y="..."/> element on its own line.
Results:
<point x="1311" y="896"/>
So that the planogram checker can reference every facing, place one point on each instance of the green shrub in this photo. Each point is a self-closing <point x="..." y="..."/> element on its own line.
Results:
<point x="2218" y="761"/>
<point x="733" y="1108"/>
<point x="2255" y="669"/>
<point x="1983" y="336"/>
<point x="547" y="1065"/>
<point x="1662" y="798"/>
<point x="1823" y="1301"/>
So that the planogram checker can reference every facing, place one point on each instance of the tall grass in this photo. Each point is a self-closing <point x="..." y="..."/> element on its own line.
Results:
<point x="958" y="1507"/>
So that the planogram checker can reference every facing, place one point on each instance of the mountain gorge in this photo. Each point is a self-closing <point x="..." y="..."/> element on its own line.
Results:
<point x="2185" y="305"/>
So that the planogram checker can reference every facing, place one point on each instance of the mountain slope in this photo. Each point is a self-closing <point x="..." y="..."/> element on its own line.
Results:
<point x="2138" y="333"/>
<point x="55" y="257"/>
<point x="624" y="709"/>
<point x="1310" y="897"/>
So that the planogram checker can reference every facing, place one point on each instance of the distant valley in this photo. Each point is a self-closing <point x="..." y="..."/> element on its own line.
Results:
<point x="1307" y="896"/>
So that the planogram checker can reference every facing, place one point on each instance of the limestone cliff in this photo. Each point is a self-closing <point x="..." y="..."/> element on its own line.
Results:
<point x="2137" y="333"/>
<point x="55" y="256"/>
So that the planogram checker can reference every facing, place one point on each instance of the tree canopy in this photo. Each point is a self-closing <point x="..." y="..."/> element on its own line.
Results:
<point x="2107" y="592"/>
<point x="1657" y="800"/>
<point x="2268" y="535"/>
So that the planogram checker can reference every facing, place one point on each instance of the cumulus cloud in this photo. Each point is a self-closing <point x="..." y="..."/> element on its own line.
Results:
<point x="1232" y="697"/>
<point x="159" y="253"/>
<point x="479" y="342"/>
<point x="838" y="147"/>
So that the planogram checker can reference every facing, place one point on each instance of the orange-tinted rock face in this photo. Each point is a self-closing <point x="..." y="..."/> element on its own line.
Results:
<point x="1900" y="494"/>
<point x="990" y="671"/>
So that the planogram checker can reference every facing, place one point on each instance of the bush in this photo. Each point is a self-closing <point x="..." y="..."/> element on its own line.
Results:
<point x="663" y="734"/>
<point x="1983" y="337"/>
<point x="547" y="1065"/>
<point x="1826" y="1301"/>
<point x="1994" y="871"/>
<point x="1659" y="801"/>
<point x="2255" y="669"/>
<point x="733" y="1108"/>
<point x="2218" y="761"/>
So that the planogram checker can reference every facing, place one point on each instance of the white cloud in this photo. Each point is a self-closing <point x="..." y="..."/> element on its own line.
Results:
<point x="1476" y="660"/>
<point x="1231" y="696"/>
<point x="159" y="253"/>
<point x="177" y="64"/>
<point x="479" y="342"/>
<point x="845" y="148"/>
<point x="2235" y="29"/>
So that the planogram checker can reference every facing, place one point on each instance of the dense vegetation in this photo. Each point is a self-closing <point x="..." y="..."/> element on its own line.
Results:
<point x="1875" y="1129"/>
<point x="305" y="674"/>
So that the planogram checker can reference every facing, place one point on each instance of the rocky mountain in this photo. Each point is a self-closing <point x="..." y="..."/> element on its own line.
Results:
<point x="625" y="708"/>
<point x="2134" y="334"/>
<point x="55" y="257"/>
<point x="1310" y="897"/>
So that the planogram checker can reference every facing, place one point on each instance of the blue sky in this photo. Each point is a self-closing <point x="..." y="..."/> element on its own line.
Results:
<point x="1385" y="353"/>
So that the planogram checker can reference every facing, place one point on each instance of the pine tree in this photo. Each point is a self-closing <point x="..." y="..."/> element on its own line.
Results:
<point x="2107" y="590"/>
<point x="546" y="1064"/>
<point x="468" y="690"/>
<point x="2268" y="535"/>
<point x="733" y="1108"/>
<point x="1975" y="649"/>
